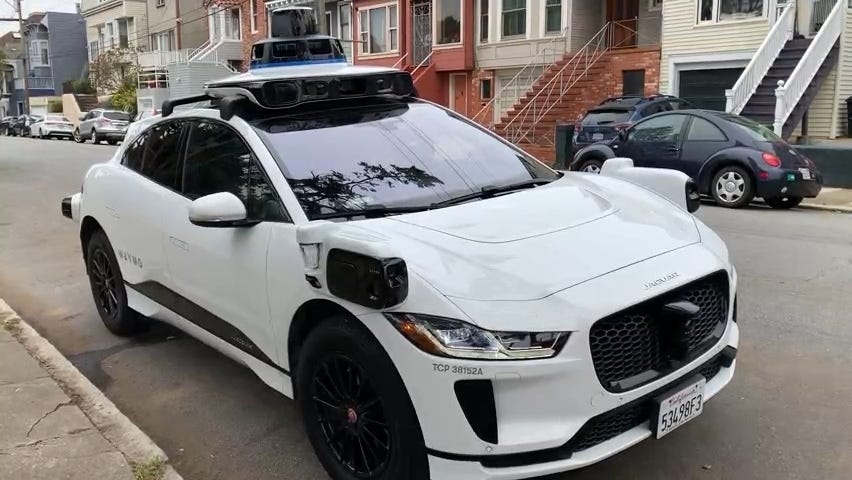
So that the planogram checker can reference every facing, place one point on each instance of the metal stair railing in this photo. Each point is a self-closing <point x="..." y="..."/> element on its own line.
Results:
<point x="529" y="74"/>
<point x="524" y="121"/>
<point x="788" y="93"/>
<point x="738" y="96"/>
<point x="423" y="62"/>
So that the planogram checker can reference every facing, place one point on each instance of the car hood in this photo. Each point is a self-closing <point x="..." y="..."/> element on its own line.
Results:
<point x="533" y="243"/>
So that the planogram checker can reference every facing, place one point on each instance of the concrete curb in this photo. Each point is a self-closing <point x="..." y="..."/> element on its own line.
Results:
<point x="123" y="434"/>
<point x="814" y="206"/>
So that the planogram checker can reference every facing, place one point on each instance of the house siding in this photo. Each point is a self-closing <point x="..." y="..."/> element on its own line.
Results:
<point x="845" y="85"/>
<point x="194" y="30"/>
<point x="67" y="45"/>
<point x="683" y="37"/>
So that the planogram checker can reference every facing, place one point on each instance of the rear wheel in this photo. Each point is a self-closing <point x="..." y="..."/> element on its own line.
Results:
<point x="732" y="187"/>
<point x="591" y="166"/>
<point x="783" y="203"/>
<point x="108" y="288"/>
<point x="355" y="407"/>
<point x="112" y="142"/>
<point x="95" y="138"/>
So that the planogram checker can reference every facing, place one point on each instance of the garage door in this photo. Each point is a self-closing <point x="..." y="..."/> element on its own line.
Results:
<point x="520" y="86"/>
<point x="706" y="88"/>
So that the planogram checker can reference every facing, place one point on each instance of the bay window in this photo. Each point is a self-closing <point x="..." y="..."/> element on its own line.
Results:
<point x="377" y="29"/>
<point x="514" y="18"/>
<point x="553" y="17"/>
<point x="39" y="53"/>
<point x="726" y="10"/>
<point x="448" y="21"/>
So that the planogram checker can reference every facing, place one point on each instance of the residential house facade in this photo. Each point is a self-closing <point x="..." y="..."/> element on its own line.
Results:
<point x="732" y="55"/>
<point x="115" y="24"/>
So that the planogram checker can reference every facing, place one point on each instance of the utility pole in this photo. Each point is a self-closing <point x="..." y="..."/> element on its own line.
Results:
<point x="26" y="72"/>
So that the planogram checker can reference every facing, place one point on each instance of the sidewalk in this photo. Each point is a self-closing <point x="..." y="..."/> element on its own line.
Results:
<point x="54" y="424"/>
<point x="838" y="199"/>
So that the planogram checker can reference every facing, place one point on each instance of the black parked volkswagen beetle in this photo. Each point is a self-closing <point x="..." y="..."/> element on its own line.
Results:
<point x="732" y="158"/>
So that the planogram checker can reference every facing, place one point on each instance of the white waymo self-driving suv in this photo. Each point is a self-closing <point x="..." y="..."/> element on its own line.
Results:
<point x="439" y="303"/>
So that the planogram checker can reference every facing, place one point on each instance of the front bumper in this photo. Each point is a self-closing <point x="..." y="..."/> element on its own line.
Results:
<point x="545" y="410"/>
<point x="789" y="183"/>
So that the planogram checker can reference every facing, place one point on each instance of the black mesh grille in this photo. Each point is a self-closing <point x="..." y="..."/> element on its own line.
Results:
<point x="633" y="347"/>
<point x="615" y="422"/>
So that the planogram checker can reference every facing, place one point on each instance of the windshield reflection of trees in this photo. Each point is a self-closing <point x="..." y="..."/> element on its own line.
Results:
<point x="338" y="192"/>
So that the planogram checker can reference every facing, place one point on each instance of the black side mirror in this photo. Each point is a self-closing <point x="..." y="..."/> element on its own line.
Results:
<point x="622" y="135"/>
<point x="693" y="197"/>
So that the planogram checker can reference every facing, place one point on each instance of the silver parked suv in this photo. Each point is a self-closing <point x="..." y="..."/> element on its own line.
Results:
<point x="101" y="124"/>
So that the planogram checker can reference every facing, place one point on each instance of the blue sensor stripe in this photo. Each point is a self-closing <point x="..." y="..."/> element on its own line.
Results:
<point x="254" y="66"/>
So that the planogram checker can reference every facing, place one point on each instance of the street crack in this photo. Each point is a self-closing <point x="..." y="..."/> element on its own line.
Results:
<point x="57" y="407"/>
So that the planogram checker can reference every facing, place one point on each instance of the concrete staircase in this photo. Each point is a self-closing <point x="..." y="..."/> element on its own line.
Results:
<point x="761" y="105"/>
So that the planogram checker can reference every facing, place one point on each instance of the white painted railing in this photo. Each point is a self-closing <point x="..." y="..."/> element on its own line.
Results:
<point x="159" y="58"/>
<point x="750" y="79"/>
<point x="399" y="63"/>
<point x="200" y="50"/>
<point x="521" y="127"/>
<point x="547" y="55"/>
<point x="788" y="94"/>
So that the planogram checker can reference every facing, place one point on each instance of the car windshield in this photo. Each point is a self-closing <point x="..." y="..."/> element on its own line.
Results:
<point x="753" y="129"/>
<point x="390" y="155"/>
<point x="121" y="116"/>
<point x="606" y="117"/>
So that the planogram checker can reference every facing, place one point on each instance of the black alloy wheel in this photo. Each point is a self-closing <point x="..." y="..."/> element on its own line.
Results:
<point x="352" y="416"/>
<point x="108" y="289"/>
<point x="103" y="280"/>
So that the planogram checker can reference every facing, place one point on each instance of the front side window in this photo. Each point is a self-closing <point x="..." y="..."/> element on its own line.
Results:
<point x="448" y="20"/>
<point x="660" y="129"/>
<point x="378" y="29"/>
<point x="217" y="160"/>
<point x="553" y="17"/>
<point x="161" y="159"/>
<point x="514" y="18"/>
<point x="726" y="10"/>
<point x="389" y="154"/>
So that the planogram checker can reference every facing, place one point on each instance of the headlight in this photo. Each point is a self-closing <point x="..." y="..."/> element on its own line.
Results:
<point x="453" y="338"/>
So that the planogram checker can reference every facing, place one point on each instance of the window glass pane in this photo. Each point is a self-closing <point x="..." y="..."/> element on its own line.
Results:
<point x="703" y="130"/>
<point x="448" y="15"/>
<point x="120" y="116"/>
<point x="485" y="88"/>
<point x="483" y="21"/>
<point x="752" y="128"/>
<point x="514" y="17"/>
<point x="660" y="129"/>
<point x="606" y="117"/>
<point x="133" y="155"/>
<point x="378" y="22"/>
<point x="162" y="154"/>
<point x="705" y="10"/>
<point x="736" y="9"/>
<point x="553" y="16"/>
<point x="391" y="154"/>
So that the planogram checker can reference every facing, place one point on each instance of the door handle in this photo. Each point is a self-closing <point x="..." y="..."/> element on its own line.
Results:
<point x="179" y="243"/>
<point x="673" y="149"/>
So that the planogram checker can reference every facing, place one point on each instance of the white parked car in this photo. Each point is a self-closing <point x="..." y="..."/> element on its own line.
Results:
<point x="52" y="126"/>
<point x="439" y="303"/>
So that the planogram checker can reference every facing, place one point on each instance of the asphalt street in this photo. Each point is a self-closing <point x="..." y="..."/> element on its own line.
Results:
<point x="786" y="415"/>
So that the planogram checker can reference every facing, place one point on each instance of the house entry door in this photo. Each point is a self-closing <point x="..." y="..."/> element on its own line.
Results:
<point x="421" y="29"/>
<point x="624" y="15"/>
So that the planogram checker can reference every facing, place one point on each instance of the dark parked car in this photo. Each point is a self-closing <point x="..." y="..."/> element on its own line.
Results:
<point x="731" y="158"/>
<point x="20" y="126"/>
<point x="5" y="125"/>
<point x="603" y="122"/>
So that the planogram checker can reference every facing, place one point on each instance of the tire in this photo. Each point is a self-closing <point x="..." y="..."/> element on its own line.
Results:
<point x="732" y="187"/>
<point x="108" y="290"/>
<point x="783" y="203"/>
<point x="112" y="142"/>
<point x="591" y="166"/>
<point x="95" y="139"/>
<point x="339" y="344"/>
<point x="78" y="137"/>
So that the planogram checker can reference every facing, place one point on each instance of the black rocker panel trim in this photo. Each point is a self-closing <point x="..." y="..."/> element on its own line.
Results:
<point x="196" y="314"/>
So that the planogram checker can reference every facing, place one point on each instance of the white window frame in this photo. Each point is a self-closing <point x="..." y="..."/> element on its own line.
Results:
<point x="562" y="8"/>
<point x="36" y="51"/>
<point x="340" y="8"/>
<point x="253" y="13"/>
<point x="329" y="22"/>
<point x="716" y="11"/>
<point x="225" y="14"/>
<point x="655" y="5"/>
<point x="362" y="29"/>
<point x="170" y="38"/>
<point x="478" y="28"/>
<point x="527" y="18"/>
<point x="161" y="3"/>
<point x="435" y="43"/>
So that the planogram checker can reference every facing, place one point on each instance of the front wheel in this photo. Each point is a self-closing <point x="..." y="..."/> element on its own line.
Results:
<point x="591" y="166"/>
<point x="783" y="203"/>
<point x="77" y="136"/>
<point x="95" y="138"/>
<point x="112" y="142"/>
<point x="355" y="407"/>
<point x="732" y="187"/>
<point x="108" y="288"/>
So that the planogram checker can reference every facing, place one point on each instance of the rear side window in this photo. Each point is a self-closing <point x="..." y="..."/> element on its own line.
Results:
<point x="702" y="130"/>
<point x="120" y="116"/>
<point x="606" y="117"/>
<point x="133" y="155"/>
<point x="162" y="154"/>
<point x="217" y="160"/>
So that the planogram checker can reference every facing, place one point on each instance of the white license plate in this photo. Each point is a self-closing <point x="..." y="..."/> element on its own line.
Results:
<point x="597" y="136"/>
<point x="681" y="406"/>
<point x="806" y="174"/>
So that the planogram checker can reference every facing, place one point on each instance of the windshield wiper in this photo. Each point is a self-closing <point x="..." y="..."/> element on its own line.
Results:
<point x="487" y="192"/>
<point x="372" y="211"/>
